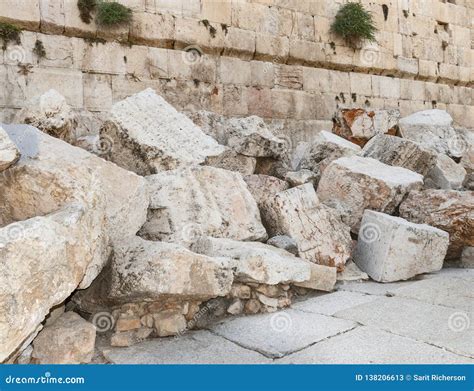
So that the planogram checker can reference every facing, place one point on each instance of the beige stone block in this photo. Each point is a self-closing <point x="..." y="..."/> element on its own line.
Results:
<point x="191" y="8"/>
<point x="239" y="43"/>
<point x="137" y="60"/>
<point x="428" y="70"/>
<point x="23" y="13"/>
<point x="73" y="25"/>
<point x="217" y="11"/>
<point x="361" y="84"/>
<point x="235" y="100"/>
<point x="339" y="82"/>
<point x="271" y="48"/>
<point x="52" y="16"/>
<point x="262" y="73"/>
<point x="326" y="106"/>
<point x="304" y="26"/>
<point x="152" y="29"/>
<point x="174" y="7"/>
<point x="386" y="87"/>
<point x="59" y="51"/>
<point x="14" y="87"/>
<point x="182" y="67"/>
<point x="97" y="92"/>
<point x="208" y="36"/>
<point x="322" y="26"/>
<point x="411" y="89"/>
<point x="305" y="105"/>
<point x="157" y="62"/>
<point x="289" y="76"/>
<point x="113" y="62"/>
<point x="283" y="102"/>
<point x="445" y="93"/>
<point x="315" y="79"/>
<point x="306" y="52"/>
<point x="407" y="66"/>
<point x="465" y="74"/>
<point x="123" y="86"/>
<point x="448" y="72"/>
<point x="234" y="71"/>
<point x="260" y="102"/>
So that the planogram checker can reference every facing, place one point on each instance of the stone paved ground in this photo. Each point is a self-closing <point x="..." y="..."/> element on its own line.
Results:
<point x="429" y="320"/>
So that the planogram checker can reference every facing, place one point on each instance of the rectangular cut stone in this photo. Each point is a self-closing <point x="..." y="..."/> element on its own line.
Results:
<point x="390" y="248"/>
<point x="323" y="278"/>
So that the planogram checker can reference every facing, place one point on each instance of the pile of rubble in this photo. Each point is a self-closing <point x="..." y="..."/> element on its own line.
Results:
<point x="181" y="220"/>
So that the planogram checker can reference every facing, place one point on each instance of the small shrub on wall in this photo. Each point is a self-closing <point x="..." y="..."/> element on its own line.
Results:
<point x="354" y="23"/>
<point x="112" y="14"/>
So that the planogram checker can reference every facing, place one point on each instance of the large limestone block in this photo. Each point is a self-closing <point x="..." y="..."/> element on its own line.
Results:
<point x="69" y="340"/>
<point x="445" y="174"/>
<point x="50" y="113"/>
<point x="323" y="278"/>
<point x="353" y="184"/>
<point x="256" y="262"/>
<point x="263" y="187"/>
<point x="326" y="148"/>
<point x="397" y="151"/>
<point x="449" y="210"/>
<point x="431" y="129"/>
<point x="201" y="201"/>
<point x="147" y="135"/>
<point x="142" y="270"/>
<point x="320" y="234"/>
<point x="9" y="153"/>
<point x="248" y="136"/>
<point x="390" y="248"/>
<point x="359" y="125"/>
<point x="233" y="161"/>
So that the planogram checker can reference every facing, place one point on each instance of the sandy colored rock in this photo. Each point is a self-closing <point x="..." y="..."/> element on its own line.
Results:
<point x="320" y="234"/>
<point x="353" y="184"/>
<point x="298" y="178"/>
<point x="147" y="135"/>
<point x="201" y="201"/>
<point x="131" y="337"/>
<point x="390" y="248"/>
<point x="449" y="210"/>
<point x="360" y="125"/>
<point x="233" y="161"/>
<point x="397" y="151"/>
<point x="169" y="323"/>
<point x="264" y="186"/>
<point x="323" y="278"/>
<point x="285" y="243"/>
<point x="69" y="340"/>
<point x="445" y="174"/>
<point x="9" y="153"/>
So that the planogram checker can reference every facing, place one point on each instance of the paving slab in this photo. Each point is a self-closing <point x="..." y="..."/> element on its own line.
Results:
<point x="280" y="333"/>
<point x="333" y="302"/>
<point x="368" y="345"/>
<point x="199" y="347"/>
<point x="444" y="327"/>
<point x="451" y="272"/>
<point x="372" y="287"/>
<point x="443" y="290"/>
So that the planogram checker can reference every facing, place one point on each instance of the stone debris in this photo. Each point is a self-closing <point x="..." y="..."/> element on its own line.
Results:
<point x="397" y="151"/>
<point x="467" y="161"/>
<point x="298" y="178"/>
<point x="9" y="153"/>
<point x="352" y="272"/>
<point x="263" y="187"/>
<point x="233" y="161"/>
<point x="69" y="340"/>
<point x="323" y="278"/>
<point x="285" y="243"/>
<point x="147" y="135"/>
<point x="380" y="255"/>
<point x="360" y="125"/>
<point x="353" y="184"/>
<point x="449" y="210"/>
<point x="51" y="114"/>
<point x="431" y="129"/>
<point x="445" y="174"/>
<point x="189" y="203"/>
<point x="320" y="234"/>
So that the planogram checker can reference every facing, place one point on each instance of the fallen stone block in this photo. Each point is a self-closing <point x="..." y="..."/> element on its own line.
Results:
<point x="233" y="161"/>
<point x="147" y="135"/>
<point x="445" y="174"/>
<point x="264" y="186"/>
<point x="320" y="234"/>
<point x="285" y="243"/>
<point x="360" y="125"/>
<point x="449" y="210"/>
<point x="390" y="248"/>
<point x="69" y="340"/>
<point x="323" y="278"/>
<point x="201" y="201"/>
<point x="9" y="153"/>
<point x="400" y="152"/>
<point x="353" y="184"/>
<point x="298" y="178"/>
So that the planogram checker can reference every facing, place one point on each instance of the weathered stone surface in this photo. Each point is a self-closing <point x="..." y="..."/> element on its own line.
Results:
<point x="297" y="178"/>
<point x="353" y="184"/>
<point x="467" y="257"/>
<point x="390" y="248"/>
<point x="467" y="161"/>
<point x="445" y="174"/>
<point x="51" y="114"/>
<point x="352" y="273"/>
<point x="321" y="236"/>
<point x="326" y="148"/>
<point x="131" y="337"/>
<point x="169" y="322"/>
<point x="141" y="270"/>
<point x="431" y="129"/>
<point x="359" y="125"/>
<point x="396" y="151"/>
<point x="285" y="243"/>
<point x="9" y="153"/>
<point x="256" y="262"/>
<point x="263" y="187"/>
<point x="201" y="201"/>
<point x="248" y="136"/>
<point x="281" y="333"/>
<point x="449" y="210"/>
<point x="69" y="340"/>
<point x="233" y="161"/>
<point x="273" y="167"/>
<point x="147" y="135"/>
<point x="323" y="278"/>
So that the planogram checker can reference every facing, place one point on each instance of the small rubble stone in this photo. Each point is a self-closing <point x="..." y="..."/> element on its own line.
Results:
<point x="252" y="306"/>
<point x="285" y="243"/>
<point x="297" y="178"/>
<point x="9" y="153"/>
<point x="129" y="338"/>
<point x="169" y="323"/>
<point x="323" y="278"/>
<point x="233" y="161"/>
<point x="126" y="324"/>
<point x="69" y="340"/>
<point x="240" y="291"/>
<point x="390" y="248"/>
<point x="236" y="307"/>
<point x="352" y="273"/>
<point x="445" y="174"/>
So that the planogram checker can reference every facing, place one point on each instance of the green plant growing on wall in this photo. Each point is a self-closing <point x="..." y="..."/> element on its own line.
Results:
<point x="354" y="23"/>
<point x="39" y="49"/>
<point x="86" y="7"/>
<point x="9" y="33"/>
<point x="112" y="14"/>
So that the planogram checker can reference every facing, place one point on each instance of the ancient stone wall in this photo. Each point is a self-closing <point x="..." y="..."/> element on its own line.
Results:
<point x="273" y="58"/>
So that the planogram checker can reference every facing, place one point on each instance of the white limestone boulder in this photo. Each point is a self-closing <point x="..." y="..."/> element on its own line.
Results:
<point x="353" y="184"/>
<point x="445" y="174"/>
<point x="147" y="135"/>
<point x="321" y="236"/>
<point x="201" y="201"/>
<point x="298" y="178"/>
<point x="431" y="129"/>
<point x="391" y="249"/>
<point x="51" y="114"/>
<point x="256" y="262"/>
<point x="263" y="187"/>
<point x="9" y="153"/>
<point x="400" y="152"/>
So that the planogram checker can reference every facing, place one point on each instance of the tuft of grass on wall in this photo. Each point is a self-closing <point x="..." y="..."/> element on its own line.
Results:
<point x="86" y="8"/>
<point x="9" y="33"/>
<point x="112" y="14"/>
<point x="354" y="23"/>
